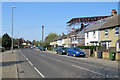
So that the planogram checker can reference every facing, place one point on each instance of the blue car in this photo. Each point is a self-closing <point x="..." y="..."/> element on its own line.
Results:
<point x="75" y="52"/>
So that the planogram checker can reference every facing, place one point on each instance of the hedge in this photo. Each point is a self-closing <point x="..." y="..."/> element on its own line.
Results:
<point x="87" y="47"/>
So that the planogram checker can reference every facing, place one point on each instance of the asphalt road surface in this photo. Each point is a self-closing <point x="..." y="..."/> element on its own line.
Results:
<point x="38" y="64"/>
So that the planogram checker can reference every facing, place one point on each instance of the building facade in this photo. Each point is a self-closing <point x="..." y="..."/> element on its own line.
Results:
<point x="110" y="33"/>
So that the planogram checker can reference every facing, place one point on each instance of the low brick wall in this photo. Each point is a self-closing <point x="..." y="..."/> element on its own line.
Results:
<point x="95" y="53"/>
<point x="105" y="55"/>
<point x="117" y="56"/>
<point x="87" y="51"/>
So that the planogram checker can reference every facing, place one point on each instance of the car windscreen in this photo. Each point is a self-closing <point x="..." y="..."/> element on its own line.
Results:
<point x="77" y="49"/>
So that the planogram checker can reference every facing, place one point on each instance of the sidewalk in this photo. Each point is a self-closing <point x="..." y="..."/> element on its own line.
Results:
<point x="52" y="52"/>
<point x="9" y="66"/>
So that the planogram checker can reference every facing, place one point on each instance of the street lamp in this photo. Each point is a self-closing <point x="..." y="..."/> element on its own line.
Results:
<point x="12" y="27"/>
<point x="42" y="36"/>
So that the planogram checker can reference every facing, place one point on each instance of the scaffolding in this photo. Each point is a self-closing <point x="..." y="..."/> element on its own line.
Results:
<point x="81" y="21"/>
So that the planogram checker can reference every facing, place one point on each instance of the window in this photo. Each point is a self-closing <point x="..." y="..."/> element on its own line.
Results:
<point x="117" y="31"/>
<point x="106" y="32"/>
<point x="75" y="38"/>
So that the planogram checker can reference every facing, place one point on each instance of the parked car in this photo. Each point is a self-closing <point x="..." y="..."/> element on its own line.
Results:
<point x="58" y="48"/>
<point x="37" y="47"/>
<point x="61" y="50"/>
<point x="2" y="49"/>
<point x="41" y="48"/>
<point x="75" y="52"/>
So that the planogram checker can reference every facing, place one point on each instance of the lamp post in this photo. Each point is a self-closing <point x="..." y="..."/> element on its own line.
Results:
<point x="42" y="36"/>
<point x="18" y="40"/>
<point x="12" y="27"/>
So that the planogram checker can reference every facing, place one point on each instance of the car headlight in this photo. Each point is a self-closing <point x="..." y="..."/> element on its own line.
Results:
<point x="63" y="51"/>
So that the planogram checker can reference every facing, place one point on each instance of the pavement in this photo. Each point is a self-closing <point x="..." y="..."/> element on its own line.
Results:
<point x="9" y="64"/>
<point x="30" y="63"/>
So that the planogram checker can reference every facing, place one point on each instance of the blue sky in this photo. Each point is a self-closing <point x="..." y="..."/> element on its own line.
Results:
<point x="30" y="16"/>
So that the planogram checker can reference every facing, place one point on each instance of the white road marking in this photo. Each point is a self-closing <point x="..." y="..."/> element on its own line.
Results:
<point x="88" y="70"/>
<point x="26" y="58"/>
<point x="30" y="63"/>
<point x="34" y="67"/>
<point x="39" y="72"/>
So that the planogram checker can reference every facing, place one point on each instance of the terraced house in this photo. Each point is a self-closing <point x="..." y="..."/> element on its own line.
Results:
<point x="110" y="33"/>
<point x="54" y="42"/>
<point x="92" y="34"/>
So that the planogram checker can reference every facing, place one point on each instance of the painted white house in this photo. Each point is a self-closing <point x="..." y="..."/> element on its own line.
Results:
<point x="92" y="38"/>
<point x="59" y="42"/>
<point x="92" y="34"/>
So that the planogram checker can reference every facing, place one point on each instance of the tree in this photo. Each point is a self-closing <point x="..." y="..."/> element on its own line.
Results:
<point x="50" y="37"/>
<point x="21" y="40"/>
<point x="36" y="43"/>
<point x="6" y="41"/>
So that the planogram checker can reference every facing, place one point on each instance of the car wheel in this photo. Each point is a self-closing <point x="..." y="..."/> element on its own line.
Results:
<point x="67" y="54"/>
<point x="83" y="55"/>
<point x="74" y="55"/>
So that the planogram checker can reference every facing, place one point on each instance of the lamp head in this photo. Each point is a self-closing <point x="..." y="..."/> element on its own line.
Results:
<point x="13" y="6"/>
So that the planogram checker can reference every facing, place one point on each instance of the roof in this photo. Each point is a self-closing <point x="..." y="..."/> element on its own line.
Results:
<point x="82" y="33"/>
<point x="97" y="25"/>
<point x="55" y="39"/>
<point x="112" y="22"/>
<point x="61" y="37"/>
<point x="75" y="32"/>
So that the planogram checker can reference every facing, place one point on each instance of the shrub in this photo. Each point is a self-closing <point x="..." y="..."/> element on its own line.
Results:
<point x="87" y="47"/>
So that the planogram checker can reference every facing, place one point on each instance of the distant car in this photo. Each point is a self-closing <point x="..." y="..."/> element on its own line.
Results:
<point x="25" y="46"/>
<point x="41" y="48"/>
<point x="2" y="49"/>
<point x="37" y="47"/>
<point x="61" y="50"/>
<point x="75" y="52"/>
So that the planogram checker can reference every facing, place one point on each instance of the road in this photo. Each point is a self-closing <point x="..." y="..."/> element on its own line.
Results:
<point x="38" y="64"/>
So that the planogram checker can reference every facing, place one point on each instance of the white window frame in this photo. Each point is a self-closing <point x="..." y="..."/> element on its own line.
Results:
<point x="116" y="30"/>
<point x="106" y="33"/>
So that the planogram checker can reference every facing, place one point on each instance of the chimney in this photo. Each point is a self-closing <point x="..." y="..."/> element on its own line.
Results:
<point x="82" y="26"/>
<point x="114" y="12"/>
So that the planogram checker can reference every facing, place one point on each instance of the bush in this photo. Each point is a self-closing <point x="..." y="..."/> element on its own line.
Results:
<point x="51" y="49"/>
<point x="87" y="47"/>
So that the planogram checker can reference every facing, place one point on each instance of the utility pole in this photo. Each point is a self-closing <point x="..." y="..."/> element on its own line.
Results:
<point x="18" y="39"/>
<point x="12" y="27"/>
<point x="42" y="36"/>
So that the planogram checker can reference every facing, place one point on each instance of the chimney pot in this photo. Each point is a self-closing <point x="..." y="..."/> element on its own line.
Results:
<point x="114" y="12"/>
